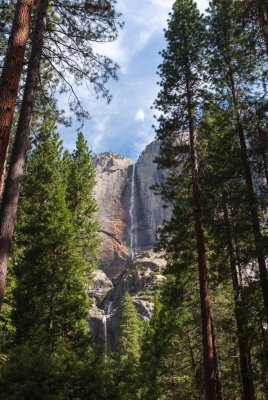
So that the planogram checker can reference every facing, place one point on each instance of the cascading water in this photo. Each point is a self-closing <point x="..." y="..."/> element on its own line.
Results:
<point x="132" y="230"/>
<point x="104" y="320"/>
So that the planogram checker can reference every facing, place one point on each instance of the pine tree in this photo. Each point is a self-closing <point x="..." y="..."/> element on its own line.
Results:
<point x="180" y="105"/>
<point x="130" y="328"/>
<point x="93" y="69"/>
<point x="260" y="8"/>
<point x="52" y="277"/>
<point x="82" y="204"/>
<point x="224" y="189"/>
<point x="18" y="158"/>
<point x="128" y="350"/>
<point x="236" y="73"/>
<point x="10" y="76"/>
<point x="71" y="28"/>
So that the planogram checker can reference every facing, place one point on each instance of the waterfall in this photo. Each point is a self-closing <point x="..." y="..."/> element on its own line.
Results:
<point x="132" y="230"/>
<point x="104" y="321"/>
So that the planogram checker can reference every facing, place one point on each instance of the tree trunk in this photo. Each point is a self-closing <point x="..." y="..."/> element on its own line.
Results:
<point x="15" y="174"/>
<point x="262" y="9"/>
<point x="253" y="204"/>
<point x="10" y="77"/>
<point x="262" y="138"/>
<point x="219" y="390"/>
<point x="248" y="391"/>
<point x="209" y="358"/>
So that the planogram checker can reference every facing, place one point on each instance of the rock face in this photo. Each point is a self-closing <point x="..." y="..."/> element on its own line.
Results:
<point x="112" y="192"/>
<point x="150" y="213"/>
<point x="129" y="215"/>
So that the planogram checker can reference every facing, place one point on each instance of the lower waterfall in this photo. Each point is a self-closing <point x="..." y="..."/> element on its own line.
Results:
<point x="132" y="231"/>
<point x="104" y="320"/>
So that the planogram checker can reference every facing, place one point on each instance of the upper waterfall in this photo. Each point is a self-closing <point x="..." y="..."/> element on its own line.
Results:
<point x="132" y="230"/>
<point x="129" y="211"/>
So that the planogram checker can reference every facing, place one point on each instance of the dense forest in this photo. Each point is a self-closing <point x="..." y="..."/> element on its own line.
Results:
<point x="208" y="336"/>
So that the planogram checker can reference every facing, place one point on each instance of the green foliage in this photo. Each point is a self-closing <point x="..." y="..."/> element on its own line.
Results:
<point x="35" y="371"/>
<point x="51" y="274"/>
<point x="130" y="330"/>
<point x="128" y="350"/>
<point x="52" y="265"/>
<point x="182" y="66"/>
<point x="220" y="70"/>
<point x="80" y="200"/>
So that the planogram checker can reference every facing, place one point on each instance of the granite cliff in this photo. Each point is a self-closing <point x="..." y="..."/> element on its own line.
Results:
<point x="113" y="191"/>
<point x="129" y="215"/>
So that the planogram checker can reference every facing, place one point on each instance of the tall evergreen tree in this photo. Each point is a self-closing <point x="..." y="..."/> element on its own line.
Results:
<point x="128" y="350"/>
<point x="180" y="105"/>
<point x="236" y="72"/>
<point x="52" y="277"/>
<point x="224" y="191"/>
<point x="71" y="28"/>
<point x="9" y="205"/>
<point x="82" y="204"/>
<point x="93" y="69"/>
<point x="130" y="329"/>
<point x="10" y="76"/>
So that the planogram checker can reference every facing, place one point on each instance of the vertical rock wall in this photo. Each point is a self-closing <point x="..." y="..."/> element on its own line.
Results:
<point x="113" y="194"/>
<point x="150" y="213"/>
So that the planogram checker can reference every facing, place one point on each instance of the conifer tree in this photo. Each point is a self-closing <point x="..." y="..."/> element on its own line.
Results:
<point x="128" y="350"/>
<point x="260" y="9"/>
<point x="235" y="72"/>
<point x="75" y="48"/>
<point x="70" y="31"/>
<point x="52" y="257"/>
<point x="224" y="189"/>
<point x="10" y="75"/>
<point x="52" y="277"/>
<point x="82" y="204"/>
<point x="130" y="328"/>
<point x="180" y="105"/>
<point x="9" y="204"/>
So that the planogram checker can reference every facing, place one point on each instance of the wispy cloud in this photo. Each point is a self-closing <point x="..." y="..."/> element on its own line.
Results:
<point x="125" y="125"/>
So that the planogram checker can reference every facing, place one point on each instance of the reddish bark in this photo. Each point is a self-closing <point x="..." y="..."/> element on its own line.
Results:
<point x="209" y="359"/>
<point x="10" y="77"/>
<point x="253" y="204"/>
<point x="15" y="174"/>
<point x="262" y="9"/>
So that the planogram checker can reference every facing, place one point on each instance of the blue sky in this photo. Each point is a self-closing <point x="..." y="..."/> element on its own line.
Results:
<point x="125" y="125"/>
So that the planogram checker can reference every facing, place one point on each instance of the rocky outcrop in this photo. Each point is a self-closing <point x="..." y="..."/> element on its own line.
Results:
<point x="141" y="281"/>
<point x="100" y="286"/>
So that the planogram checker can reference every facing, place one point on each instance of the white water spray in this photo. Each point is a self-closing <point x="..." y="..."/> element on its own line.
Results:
<point x="132" y="231"/>
<point x="104" y="321"/>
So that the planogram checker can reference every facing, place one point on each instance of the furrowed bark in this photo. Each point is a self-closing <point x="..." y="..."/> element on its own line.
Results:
<point x="209" y="359"/>
<point x="262" y="10"/>
<point x="253" y="204"/>
<point x="15" y="174"/>
<point x="10" y="77"/>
